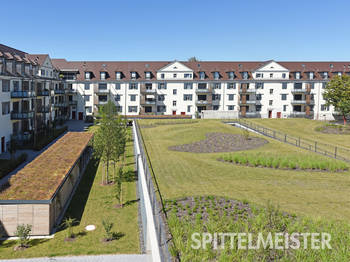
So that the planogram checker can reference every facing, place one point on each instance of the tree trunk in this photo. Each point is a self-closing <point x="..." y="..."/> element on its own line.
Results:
<point x="107" y="174"/>
<point x="344" y="119"/>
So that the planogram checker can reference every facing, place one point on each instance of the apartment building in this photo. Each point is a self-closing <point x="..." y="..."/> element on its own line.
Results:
<point x="37" y="90"/>
<point x="250" y="89"/>
<point x="27" y="82"/>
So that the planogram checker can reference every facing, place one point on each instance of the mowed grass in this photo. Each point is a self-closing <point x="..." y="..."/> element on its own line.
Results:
<point x="305" y="128"/>
<point x="180" y="174"/>
<point x="90" y="205"/>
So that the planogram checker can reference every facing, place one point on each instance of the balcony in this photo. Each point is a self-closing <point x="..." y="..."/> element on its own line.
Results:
<point x="22" y="115"/>
<point x="59" y="92"/>
<point x="60" y="104"/>
<point x="148" y="91"/>
<point x="298" y="102"/>
<point x="247" y="102"/>
<point x="203" y="102"/>
<point x="22" y="137"/>
<point x="71" y="91"/>
<point x="73" y="102"/>
<point x="43" y="109"/>
<point x="22" y="94"/>
<point x="147" y="101"/>
<point x="299" y="91"/>
<point x="101" y="91"/>
<point x="203" y="90"/>
<point x="43" y="93"/>
<point x="102" y="102"/>
<point x="247" y="91"/>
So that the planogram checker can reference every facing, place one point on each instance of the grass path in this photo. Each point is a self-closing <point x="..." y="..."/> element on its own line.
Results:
<point x="90" y="205"/>
<point x="179" y="174"/>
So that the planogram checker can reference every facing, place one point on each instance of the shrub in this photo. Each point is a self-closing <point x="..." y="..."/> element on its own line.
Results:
<point x="23" y="232"/>
<point x="69" y="223"/>
<point x="107" y="226"/>
<point x="8" y="166"/>
<point x="245" y="134"/>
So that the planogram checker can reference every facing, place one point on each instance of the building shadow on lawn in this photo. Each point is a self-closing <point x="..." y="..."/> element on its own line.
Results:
<point x="77" y="205"/>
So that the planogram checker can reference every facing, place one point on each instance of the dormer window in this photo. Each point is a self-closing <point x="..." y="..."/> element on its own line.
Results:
<point x="133" y="75"/>
<point x="118" y="75"/>
<point x="216" y="75"/>
<point x="325" y="75"/>
<point x="148" y="75"/>
<point x="202" y="75"/>
<point x="245" y="75"/>
<point x="311" y="75"/>
<point x="339" y="73"/>
<point x="87" y="75"/>
<point x="102" y="75"/>
<point x="231" y="75"/>
<point x="297" y="75"/>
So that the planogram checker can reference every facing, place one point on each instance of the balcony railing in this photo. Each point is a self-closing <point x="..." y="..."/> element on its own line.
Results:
<point x="102" y="102"/>
<point x="148" y="91"/>
<point x="71" y="91"/>
<point x="59" y="92"/>
<point x="60" y="104"/>
<point x="22" y="94"/>
<point x="22" y="115"/>
<point x="247" y="90"/>
<point x="248" y="102"/>
<point x="300" y="91"/>
<point x="203" y="90"/>
<point x="22" y="137"/>
<point x="203" y="102"/>
<point x="298" y="102"/>
<point x="43" y="93"/>
<point x="73" y="102"/>
<point x="43" y="109"/>
<point x="102" y="91"/>
<point x="147" y="101"/>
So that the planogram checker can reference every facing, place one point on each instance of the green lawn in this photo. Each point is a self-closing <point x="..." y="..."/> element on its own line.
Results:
<point x="304" y="128"/>
<point x="179" y="174"/>
<point x="90" y="205"/>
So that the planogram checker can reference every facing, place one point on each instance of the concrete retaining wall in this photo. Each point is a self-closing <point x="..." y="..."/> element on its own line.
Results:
<point x="215" y="114"/>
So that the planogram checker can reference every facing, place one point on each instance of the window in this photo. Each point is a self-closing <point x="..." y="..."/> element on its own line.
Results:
<point x="245" y="75"/>
<point x="133" y="98"/>
<point x="102" y="86"/>
<point x="217" y="85"/>
<point x="174" y="75"/>
<point x="86" y="98"/>
<point x="323" y="85"/>
<point x="87" y="75"/>
<point x="133" y="75"/>
<point x="324" y="108"/>
<point x="284" y="96"/>
<point x="231" y="107"/>
<point x="231" y="97"/>
<point x="258" y="97"/>
<point x="216" y="97"/>
<point x="87" y="86"/>
<point x="117" y="86"/>
<point x="161" y="97"/>
<point x="5" y="85"/>
<point x="259" y="85"/>
<point x="161" y="85"/>
<point x="174" y="103"/>
<point x="216" y="107"/>
<point x="312" y="85"/>
<point x="202" y="75"/>
<point x="258" y="108"/>
<point x="325" y="75"/>
<point x="15" y="85"/>
<point x="259" y="75"/>
<point x="216" y="75"/>
<point x="311" y="75"/>
<point x="102" y="75"/>
<point x="5" y="108"/>
<point x="174" y="91"/>
<point x="188" y="86"/>
<point x="284" y="85"/>
<point x="187" y="75"/>
<point x="271" y="91"/>
<point x="284" y="75"/>
<point x="42" y="72"/>
<point x="339" y="73"/>
<point x="270" y="102"/>
<point x="132" y="86"/>
<point x="298" y="86"/>
<point x="161" y="109"/>
<point x="231" y="75"/>
<point x="297" y="75"/>
<point x="284" y="108"/>
<point x="103" y="98"/>
<point x="132" y="109"/>
<point x="118" y="75"/>
<point x="188" y="109"/>
<point x="88" y="109"/>
<point x="187" y="97"/>
<point x="119" y="109"/>
<point x="271" y="75"/>
<point x="148" y="75"/>
<point x="231" y="85"/>
<point x="117" y="97"/>
<point x="162" y="76"/>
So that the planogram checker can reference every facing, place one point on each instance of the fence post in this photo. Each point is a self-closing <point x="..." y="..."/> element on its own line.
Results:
<point x="315" y="146"/>
<point x="274" y="134"/>
<point x="335" y="152"/>
<point x="285" y="138"/>
<point x="299" y="141"/>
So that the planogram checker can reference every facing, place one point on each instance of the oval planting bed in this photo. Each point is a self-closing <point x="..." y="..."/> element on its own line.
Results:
<point x="221" y="142"/>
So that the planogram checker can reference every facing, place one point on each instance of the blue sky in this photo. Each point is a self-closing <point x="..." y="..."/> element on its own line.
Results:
<point x="168" y="30"/>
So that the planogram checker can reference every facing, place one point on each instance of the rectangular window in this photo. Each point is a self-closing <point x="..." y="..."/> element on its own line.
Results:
<point x="174" y="91"/>
<point x="117" y="86"/>
<point x="174" y="103"/>
<point x="217" y="85"/>
<point x="161" y="85"/>
<point x="231" y="85"/>
<point x="231" y="107"/>
<point x="284" y="85"/>
<point x="161" y="109"/>
<point x="188" y="97"/>
<point x="201" y="75"/>
<point x="187" y="75"/>
<point x="102" y="86"/>
<point x="270" y="102"/>
<point x="245" y="75"/>
<point x="271" y="75"/>
<point x="118" y="75"/>
<point x="86" y="98"/>
<point x="284" y="108"/>
<point x="132" y="109"/>
<point x="284" y="96"/>
<point x="216" y="75"/>
<point x="103" y="98"/>
<point x="102" y="75"/>
<point x="324" y="108"/>
<point x="284" y="75"/>
<point x="297" y="75"/>
<point x="87" y="86"/>
<point x="88" y="109"/>
<point x="162" y="76"/>
<point x="231" y="97"/>
<point x="259" y="75"/>
<point x="148" y="75"/>
<point x="298" y="86"/>
<point x="216" y="97"/>
<point x="42" y="72"/>
<point x="311" y="75"/>
<point x="161" y="98"/>
<point x="188" y="86"/>
<point x="174" y="75"/>
<point x="271" y="91"/>
<point x="133" y="75"/>
<point x="133" y="98"/>
<point x="5" y="85"/>
<point x="258" y="108"/>
<point x="16" y="86"/>
<point x="188" y="109"/>
<point x="117" y="97"/>
<point x="119" y="109"/>
<point x="231" y="75"/>
<point x="133" y="86"/>
<point x="259" y="85"/>
<point x="5" y="108"/>
<point x="258" y="97"/>
<point x="216" y="107"/>
<point x="87" y="75"/>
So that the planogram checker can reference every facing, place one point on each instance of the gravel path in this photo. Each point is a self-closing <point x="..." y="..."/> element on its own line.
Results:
<point x="221" y="142"/>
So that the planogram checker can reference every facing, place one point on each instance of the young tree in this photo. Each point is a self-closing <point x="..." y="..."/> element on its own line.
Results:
<point x="23" y="232"/>
<point x="337" y="94"/>
<point x="193" y="59"/>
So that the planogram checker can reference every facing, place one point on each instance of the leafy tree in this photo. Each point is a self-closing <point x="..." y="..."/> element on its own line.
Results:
<point x="107" y="225"/>
<point x="337" y="94"/>
<point x="193" y="59"/>
<point x="68" y="223"/>
<point x="23" y="232"/>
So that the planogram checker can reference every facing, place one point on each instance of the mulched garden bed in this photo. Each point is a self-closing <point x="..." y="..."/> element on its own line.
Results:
<point x="221" y="142"/>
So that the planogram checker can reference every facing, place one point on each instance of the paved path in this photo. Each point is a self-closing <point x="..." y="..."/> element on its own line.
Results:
<point x="99" y="258"/>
